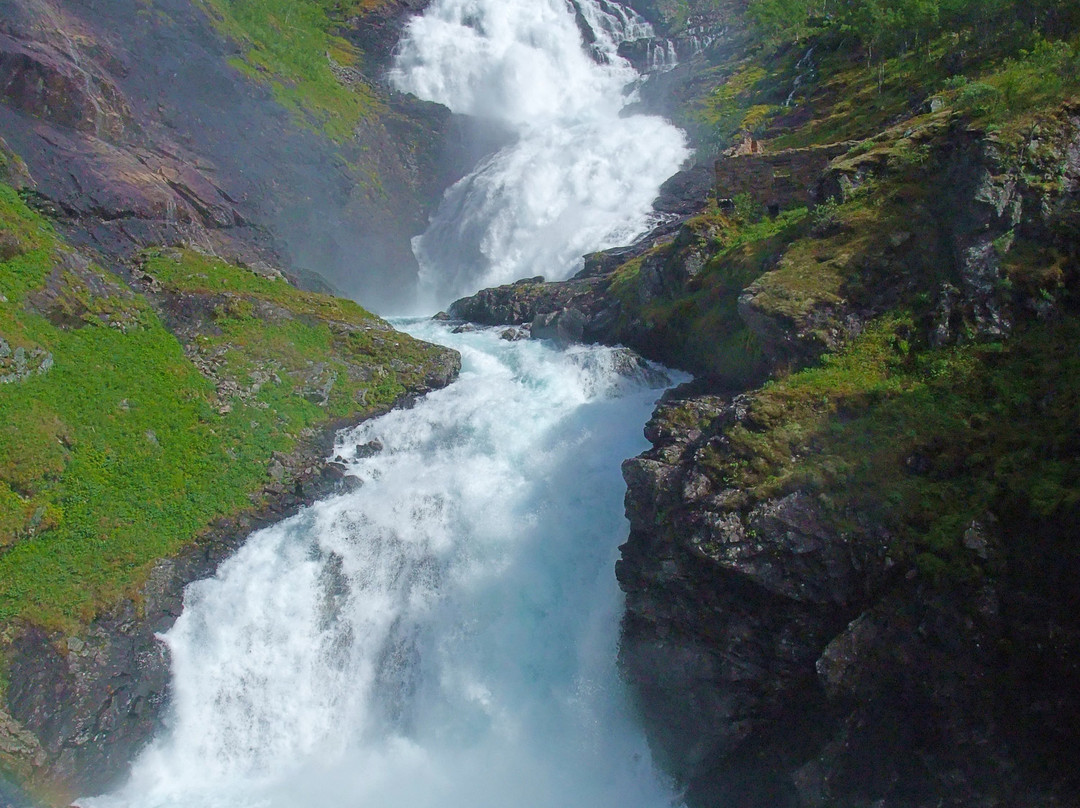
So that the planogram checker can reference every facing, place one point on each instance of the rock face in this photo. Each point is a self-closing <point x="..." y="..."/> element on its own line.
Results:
<point x="138" y="131"/>
<point x="788" y="649"/>
<point x="781" y="657"/>
<point x="778" y="179"/>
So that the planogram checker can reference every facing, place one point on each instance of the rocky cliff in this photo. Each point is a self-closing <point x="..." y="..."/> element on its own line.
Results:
<point x="178" y="125"/>
<point x="855" y="584"/>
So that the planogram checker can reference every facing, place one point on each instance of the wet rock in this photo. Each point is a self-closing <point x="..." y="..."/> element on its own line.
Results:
<point x="45" y="81"/>
<point x="564" y="327"/>
<point x="335" y="471"/>
<point x="369" y="449"/>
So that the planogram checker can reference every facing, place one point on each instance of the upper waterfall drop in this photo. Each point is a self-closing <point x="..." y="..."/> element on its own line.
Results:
<point x="580" y="174"/>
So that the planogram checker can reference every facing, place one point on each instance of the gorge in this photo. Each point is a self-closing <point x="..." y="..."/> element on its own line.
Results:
<point x="259" y="546"/>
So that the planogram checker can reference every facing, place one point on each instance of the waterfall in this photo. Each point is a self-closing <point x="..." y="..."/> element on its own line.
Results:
<point x="444" y="635"/>
<point x="579" y="174"/>
<point x="796" y="85"/>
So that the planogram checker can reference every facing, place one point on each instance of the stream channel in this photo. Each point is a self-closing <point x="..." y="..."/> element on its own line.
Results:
<point x="445" y="634"/>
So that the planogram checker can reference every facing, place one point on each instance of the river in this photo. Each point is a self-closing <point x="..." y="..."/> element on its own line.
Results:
<point x="445" y="634"/>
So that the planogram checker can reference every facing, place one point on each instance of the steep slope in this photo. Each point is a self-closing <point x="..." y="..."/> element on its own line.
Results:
<point x="147" y="426"/>
<point x="855" y="584"/>
<point x="231" y="125"/>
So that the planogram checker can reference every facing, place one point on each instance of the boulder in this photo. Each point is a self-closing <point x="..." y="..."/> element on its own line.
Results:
<point x="564" y="327"/>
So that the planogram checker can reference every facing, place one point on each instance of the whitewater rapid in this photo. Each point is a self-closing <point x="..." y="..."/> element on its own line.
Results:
<point x="580" y="173"/>
<point x="444" y="636"/>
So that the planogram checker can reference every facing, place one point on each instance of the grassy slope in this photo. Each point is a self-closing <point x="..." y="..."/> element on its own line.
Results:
<point x="843" y="95"/>
<point x="123" y="451"/>
<point x="291" y="46"/>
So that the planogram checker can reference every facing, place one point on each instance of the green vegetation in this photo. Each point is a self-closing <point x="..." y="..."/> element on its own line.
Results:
<point x="120" y="452"/>
<point x="885" y="28"/>
<point x="700" y="322"/>
<point x="290" y="45"/>
<point x="924" y="441"/>
<point x="885" y="428"/>
<point x="256" y="327"/>
<point x="864" y="64"/>
<point x="892" y="427"/>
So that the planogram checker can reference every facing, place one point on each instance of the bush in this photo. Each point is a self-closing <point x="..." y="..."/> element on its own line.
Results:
<point x="979" y="99"/>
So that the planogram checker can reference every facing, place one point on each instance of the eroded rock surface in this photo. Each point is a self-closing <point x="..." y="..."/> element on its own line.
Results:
<point x="782" y="656"/>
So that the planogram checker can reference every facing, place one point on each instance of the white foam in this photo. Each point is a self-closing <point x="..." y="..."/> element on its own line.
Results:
<point x="443" y="636"/>
<point x="581" y="174"/>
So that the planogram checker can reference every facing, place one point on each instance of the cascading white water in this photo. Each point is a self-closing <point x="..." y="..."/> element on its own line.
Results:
<point x="442" y="637"/>
<point x="580" y="174"/>
<point x="445" y="635"/>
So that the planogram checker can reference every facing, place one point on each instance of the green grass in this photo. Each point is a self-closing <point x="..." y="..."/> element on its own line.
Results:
<point x="996" y="81"/>
<point x="123" y="451"/>
<point x="290" y="46"/>
<point x="699" y="323"/>
<point x="925" y="441"/>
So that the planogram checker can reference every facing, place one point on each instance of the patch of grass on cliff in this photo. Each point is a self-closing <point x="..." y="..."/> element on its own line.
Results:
<point x="745" y="99"/>
<point x="121" y="452"/>
<point x="116" y="458"/>
<point x="290" y="46"/>
<point x="700" y="323"/>
<point x="926" y="441"/>
<point x="303" y="340"/>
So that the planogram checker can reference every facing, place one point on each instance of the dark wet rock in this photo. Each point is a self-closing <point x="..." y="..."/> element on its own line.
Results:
<point x="783" y="655"/>
<point x="335" y="471"/>
<point x="369" y="449"/>
<point x="563" y="327"/>
<point x="687" y="192"/>
<point x="377" y="32"/>
<point x="42" y="79"/>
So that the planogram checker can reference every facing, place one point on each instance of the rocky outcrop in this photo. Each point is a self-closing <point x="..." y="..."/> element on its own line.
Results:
<point x="793" y="644"/>
<point x="777" y="180"/>
<point x="782" y="656"/>
<point x="603" y="302"/>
